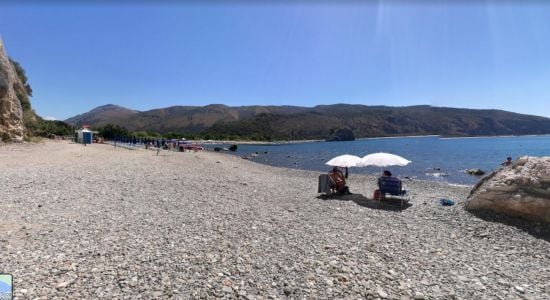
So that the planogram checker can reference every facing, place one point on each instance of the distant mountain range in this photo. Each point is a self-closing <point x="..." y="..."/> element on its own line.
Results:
<point x="294" y="122"/>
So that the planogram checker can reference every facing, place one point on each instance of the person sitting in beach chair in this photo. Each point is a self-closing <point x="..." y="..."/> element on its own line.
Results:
<point x="387" y="184"/>
<point x="339" y="181"/>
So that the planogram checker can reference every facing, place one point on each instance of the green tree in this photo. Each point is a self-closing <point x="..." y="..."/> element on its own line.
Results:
<point x="111" y="131"/>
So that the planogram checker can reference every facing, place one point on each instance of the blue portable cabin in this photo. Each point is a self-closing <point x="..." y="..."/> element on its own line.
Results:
<point x="87" y="137"/>
<point x="84" y="136"/>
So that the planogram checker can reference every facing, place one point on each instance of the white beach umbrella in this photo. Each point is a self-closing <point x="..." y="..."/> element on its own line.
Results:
<point x="382" y="159"/>
<point x="345" y="160"/>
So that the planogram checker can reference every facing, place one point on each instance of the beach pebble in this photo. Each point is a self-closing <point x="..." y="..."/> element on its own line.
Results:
<point x="116" y="223"/>
<point x="63" y="284"/>
<point x="381" y="293"/>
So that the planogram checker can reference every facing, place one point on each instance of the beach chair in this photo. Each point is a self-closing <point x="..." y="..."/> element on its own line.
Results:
<point x="392" y="186"/>
<point x="326" y="184"/>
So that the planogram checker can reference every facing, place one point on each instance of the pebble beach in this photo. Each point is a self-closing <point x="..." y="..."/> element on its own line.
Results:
<point x="99" y="222"/>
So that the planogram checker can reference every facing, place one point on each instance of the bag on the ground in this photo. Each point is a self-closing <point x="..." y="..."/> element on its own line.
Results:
<point x="377" y="195"/>
<point x="446" y="202"/>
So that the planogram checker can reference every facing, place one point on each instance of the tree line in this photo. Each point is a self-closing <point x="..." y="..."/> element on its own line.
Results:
<point x="112" y="131"/>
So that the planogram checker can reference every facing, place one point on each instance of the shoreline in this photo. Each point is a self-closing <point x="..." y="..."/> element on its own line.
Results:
<point x="433" y="179"/>
<point x="226" y="142"/>
<point x="314" y="172"/>
<point x="443" y="137"/>
<point x="496" y="136"/>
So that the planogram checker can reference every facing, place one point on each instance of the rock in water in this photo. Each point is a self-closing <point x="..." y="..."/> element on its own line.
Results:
<point x="477" y="172"/>
<point x="342" y="134"/>
<point x="521" y="189"/>
<point x="11" y="112"/>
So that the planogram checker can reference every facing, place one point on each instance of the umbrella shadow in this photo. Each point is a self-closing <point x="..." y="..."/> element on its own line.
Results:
<point x="391" y="204"/>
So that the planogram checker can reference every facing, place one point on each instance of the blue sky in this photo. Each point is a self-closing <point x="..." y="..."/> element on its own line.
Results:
<point x="472" y="54"/>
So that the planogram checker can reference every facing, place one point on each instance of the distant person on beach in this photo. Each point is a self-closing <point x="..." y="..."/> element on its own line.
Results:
<point x="339" y="180"/>
<point x="507" y="162"/>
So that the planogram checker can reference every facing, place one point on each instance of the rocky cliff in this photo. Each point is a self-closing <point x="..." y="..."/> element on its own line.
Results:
<point x="521" y="189"/>
<point x="11" y="113"/>
<point x="341" y="134"/>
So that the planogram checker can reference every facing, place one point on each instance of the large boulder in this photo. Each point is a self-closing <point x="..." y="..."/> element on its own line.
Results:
<point x="521" y="189"/>
<point x="342" y="134"/>
<point x="11" y="112"/>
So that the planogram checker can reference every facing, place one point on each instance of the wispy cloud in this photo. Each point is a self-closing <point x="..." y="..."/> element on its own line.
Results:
<point x="50" y="118"/>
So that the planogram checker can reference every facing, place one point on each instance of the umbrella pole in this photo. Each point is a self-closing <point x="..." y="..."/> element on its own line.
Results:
<point x="366" y="190"/>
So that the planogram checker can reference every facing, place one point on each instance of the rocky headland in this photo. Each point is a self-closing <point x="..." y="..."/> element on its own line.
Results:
<point x="341" y="134"/>
<point x="11" y="112"/>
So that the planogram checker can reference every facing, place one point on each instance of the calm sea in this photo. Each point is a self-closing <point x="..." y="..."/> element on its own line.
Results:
<point x="433" y="158"/>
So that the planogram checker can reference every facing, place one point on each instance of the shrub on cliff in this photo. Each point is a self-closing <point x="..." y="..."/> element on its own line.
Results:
<point x="23" y="91"/>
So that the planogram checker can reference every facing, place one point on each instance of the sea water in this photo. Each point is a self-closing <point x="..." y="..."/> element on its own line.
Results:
<point x="433" y="157"/>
